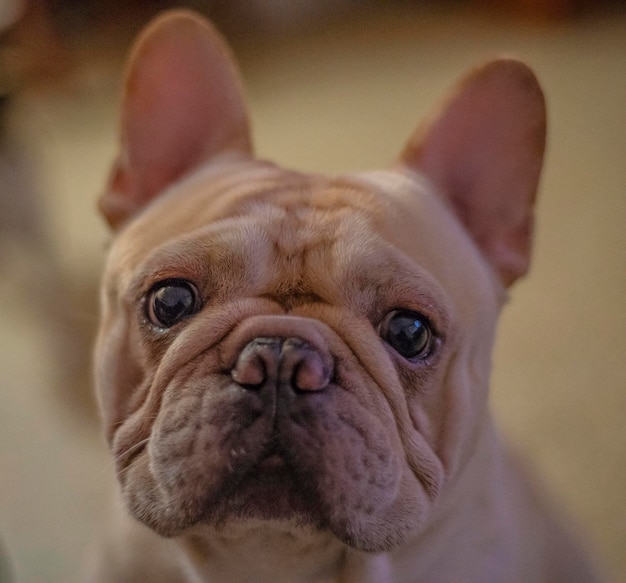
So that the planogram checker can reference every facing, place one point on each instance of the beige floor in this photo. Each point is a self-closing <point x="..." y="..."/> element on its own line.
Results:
<point x="342" y="101"/>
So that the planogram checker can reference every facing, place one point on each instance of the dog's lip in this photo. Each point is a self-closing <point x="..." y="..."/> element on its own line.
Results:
<point x="271" y="490"/>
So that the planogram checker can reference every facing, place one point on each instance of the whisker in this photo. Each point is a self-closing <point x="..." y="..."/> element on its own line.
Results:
<point x="111" y="464"/>
<point x="132" y="448"/>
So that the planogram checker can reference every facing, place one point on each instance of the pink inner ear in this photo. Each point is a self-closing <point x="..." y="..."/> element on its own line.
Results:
<point x="182" y="106"/>
<point x="484" y="152"/>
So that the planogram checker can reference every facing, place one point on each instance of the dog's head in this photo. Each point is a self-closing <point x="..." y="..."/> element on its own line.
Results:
<point x="283" y="346"/>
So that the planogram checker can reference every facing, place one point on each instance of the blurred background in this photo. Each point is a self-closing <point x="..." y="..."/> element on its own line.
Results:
<point x="333" y="85"/>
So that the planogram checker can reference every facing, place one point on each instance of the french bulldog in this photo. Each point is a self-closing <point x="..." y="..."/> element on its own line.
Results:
<point x="293" y="369"/>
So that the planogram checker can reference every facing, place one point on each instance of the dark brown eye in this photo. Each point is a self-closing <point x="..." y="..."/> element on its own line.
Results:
<point x="409" y="334"/>
<point x="171" y="301"/>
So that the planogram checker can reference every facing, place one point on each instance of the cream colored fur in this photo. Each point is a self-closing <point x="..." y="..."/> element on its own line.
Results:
<point x="361" y="465"/>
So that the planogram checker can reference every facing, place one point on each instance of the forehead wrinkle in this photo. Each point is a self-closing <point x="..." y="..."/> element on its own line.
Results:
<point x="301" y="223"/>
<point x="239" y="253"/>
<point x="306" y="240"/>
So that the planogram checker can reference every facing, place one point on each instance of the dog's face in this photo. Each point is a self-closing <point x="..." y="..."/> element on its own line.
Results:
<point x="280" y="346"/>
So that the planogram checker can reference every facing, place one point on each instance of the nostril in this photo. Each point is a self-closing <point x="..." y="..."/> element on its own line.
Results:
<point x="303" y="367"/>
<point x="311" y="374"/>
<point x="249" y="372"/>
<point x="257" y="363"/>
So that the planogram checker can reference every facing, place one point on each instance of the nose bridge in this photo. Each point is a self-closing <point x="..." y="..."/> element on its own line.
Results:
<point x="272" y="326"/>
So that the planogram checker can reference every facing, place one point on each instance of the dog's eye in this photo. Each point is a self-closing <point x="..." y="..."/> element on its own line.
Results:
<point x="409" y="334"/>
<point x="171" y="301"/>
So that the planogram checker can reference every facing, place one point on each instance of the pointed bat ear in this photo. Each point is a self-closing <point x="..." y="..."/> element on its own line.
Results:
<point x="182" y="106"/>
<point x="483" y="150"/>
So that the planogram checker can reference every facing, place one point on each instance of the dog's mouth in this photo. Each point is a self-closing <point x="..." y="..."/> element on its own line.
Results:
<point x="272" y="462"/>
<point x="273" y="489"/>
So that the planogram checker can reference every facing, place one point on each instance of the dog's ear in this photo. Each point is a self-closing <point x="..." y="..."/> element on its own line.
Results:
<point x="182" y="105"/>
<point x="483" y="150"/>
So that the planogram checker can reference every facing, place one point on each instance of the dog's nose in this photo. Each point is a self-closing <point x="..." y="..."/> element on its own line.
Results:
<point x="282" y="362"/>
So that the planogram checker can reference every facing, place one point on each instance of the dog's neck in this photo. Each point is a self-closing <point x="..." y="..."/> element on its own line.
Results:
<point x="243" y="553"/>
<point x="472" y="503"/>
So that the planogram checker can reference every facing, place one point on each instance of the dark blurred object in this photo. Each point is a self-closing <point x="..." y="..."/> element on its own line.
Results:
<point x="34" y="55"/>
<point x="30" y="46"/>
<point x="539" y="10"/>
<point x="50" y="37"/>
<point x="41" y="41"/>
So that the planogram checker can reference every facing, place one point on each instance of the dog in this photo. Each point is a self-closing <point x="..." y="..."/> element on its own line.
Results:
<point x="293" y="369"/>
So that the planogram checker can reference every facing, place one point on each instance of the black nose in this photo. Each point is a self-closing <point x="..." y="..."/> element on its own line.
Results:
<point x="282" y="362"/>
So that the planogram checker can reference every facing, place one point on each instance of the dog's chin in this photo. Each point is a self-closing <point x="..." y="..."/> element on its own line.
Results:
<point x="271" y="491"/>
